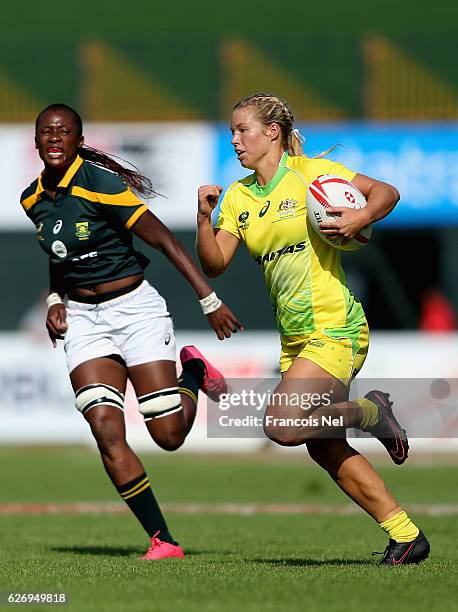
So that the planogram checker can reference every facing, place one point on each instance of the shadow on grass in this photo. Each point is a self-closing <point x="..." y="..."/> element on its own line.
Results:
<point x="192" y="552"/>
<point x="312" y="562"/>
<point x="125" y="551"/>
<point x="98" y="550"/>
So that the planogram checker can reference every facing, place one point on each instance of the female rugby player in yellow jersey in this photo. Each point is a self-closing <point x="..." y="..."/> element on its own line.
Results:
<point x="115" y="325"/>
<point x="324" y="333"/>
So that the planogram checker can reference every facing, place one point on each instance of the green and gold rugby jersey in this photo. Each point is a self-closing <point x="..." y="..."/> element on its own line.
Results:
<point x="303" y="273"/>
<point x="85" y="229"/>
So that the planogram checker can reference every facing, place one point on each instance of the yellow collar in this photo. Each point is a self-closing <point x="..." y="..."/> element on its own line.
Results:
<point x="73" y="169"/>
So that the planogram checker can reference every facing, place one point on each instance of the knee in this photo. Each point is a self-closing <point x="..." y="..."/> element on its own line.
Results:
<point x="169" y="435"/>
<point x="162" y="411"/>
<point x="102" y="406"/>
<point x="160" y="403"/>
<point x="108" y="434"/>
<point x="319" y="452"/>
<point x="169" y="442"/>
<point x="284" y="436"/>
<point x="330" y="453"/>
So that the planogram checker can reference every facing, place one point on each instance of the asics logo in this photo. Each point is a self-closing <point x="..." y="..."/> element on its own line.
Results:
<point x="57" y="227"/>
<point x="264" y="209"/>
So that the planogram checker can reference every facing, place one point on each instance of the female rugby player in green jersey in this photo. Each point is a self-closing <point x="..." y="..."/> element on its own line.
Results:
<point x="116" y="326"/>
<point x="323" y="329"/>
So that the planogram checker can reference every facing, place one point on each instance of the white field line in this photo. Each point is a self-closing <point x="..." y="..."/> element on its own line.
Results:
<point x="11" y="509"/>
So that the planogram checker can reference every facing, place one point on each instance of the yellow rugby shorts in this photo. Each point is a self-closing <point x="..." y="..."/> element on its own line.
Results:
<point x="340" y="351"/>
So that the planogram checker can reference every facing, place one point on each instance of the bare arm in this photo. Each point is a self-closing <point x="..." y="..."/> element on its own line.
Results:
<point x="150" y="229"/>
<point x="215" y="248"/>
<point x="56" y="319"/>
<point x="381" y="199"/>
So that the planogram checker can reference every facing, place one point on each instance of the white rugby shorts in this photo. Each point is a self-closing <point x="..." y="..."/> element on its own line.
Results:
<point x="136" y="326"/>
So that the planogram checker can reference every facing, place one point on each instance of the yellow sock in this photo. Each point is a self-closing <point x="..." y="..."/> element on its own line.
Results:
<point x="370" y="412"/>
<point x="400" y="528"/>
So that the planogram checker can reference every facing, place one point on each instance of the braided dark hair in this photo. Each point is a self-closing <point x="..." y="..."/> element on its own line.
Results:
<point x="132" y="177"/>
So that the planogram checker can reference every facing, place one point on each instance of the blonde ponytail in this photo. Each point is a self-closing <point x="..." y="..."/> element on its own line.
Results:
<point x="295" y="143"/>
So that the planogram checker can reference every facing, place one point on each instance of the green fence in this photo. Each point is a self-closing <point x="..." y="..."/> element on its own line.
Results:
<point x="345" y="76"/>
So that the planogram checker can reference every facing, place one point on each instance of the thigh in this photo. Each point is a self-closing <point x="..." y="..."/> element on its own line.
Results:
<point x="298" y="404"/>
<point x="306" y="386"/>
<point x="105" y="371"/>
<point x="152" y="376"/>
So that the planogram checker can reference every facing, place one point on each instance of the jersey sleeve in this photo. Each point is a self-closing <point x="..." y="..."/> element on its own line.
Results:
<point x="227" y="218"/>
<point x="327" y="166"/>
<point x="29" y="198"/>
<point x="117" y="199"/>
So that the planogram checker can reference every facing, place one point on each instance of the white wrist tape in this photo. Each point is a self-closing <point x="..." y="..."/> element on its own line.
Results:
<point x="210" y="303"/>
<point x="53" y="298"/>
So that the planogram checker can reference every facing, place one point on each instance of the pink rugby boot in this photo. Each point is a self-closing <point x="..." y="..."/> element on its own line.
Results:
<point x="162" y="550"/>
<point x="214" y="384"/>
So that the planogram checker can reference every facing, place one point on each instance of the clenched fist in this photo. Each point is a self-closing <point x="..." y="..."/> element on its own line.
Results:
<point x="208" y="196"/>
<point x="56" y="322"/>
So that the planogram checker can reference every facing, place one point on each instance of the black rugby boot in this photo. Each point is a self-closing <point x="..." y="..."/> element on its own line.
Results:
<point x="388" y="430"/>
<point x="403" y="553"/>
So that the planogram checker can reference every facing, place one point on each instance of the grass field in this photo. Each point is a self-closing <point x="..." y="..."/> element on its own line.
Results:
<point x="318" y="561"/>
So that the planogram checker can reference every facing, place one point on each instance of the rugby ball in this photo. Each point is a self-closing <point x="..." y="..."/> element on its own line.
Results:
<point x="328" y="191"/>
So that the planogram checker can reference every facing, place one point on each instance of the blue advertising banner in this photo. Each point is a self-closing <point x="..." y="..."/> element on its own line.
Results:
<point x="420" y="159"/>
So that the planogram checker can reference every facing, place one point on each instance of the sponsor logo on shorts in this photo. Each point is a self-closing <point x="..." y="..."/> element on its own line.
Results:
<point x="57" y="227"/>
<point x="59" y="249"/>
<point x="317" y="343"/>
<point x="167" y="340"/>
<point x="82" y="230"/>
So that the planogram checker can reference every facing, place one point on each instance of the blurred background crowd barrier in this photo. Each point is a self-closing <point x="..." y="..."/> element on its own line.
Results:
<point x="155" y="85"/>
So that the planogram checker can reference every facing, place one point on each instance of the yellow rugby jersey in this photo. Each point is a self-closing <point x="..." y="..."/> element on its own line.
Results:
<point x="303" y="273"/>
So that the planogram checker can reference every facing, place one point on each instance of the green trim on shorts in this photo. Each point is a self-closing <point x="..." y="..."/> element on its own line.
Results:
<point x="352" y="332"/>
